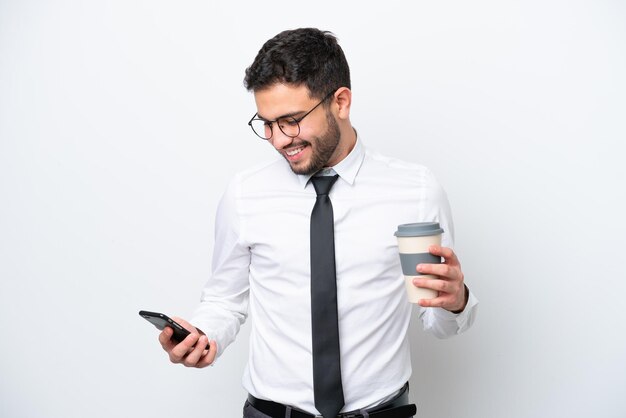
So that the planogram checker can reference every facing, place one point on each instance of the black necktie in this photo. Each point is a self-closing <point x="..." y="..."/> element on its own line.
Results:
<point x="327" y="386"/>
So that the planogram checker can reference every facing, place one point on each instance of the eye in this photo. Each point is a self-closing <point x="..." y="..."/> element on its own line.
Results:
<point x="291" y="122"/>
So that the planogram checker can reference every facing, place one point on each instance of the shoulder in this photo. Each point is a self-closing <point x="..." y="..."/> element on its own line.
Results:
<point x="262" y="178"/>
<point x="263" y="170"/>
<point x="398" y="169"/>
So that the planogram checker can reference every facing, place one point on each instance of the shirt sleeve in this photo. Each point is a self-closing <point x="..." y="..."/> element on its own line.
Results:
<point x="224" y="301"/>
<point x="438" y="321"/>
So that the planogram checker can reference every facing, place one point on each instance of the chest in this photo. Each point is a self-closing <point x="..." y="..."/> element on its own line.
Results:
<point x="278" y="232"/>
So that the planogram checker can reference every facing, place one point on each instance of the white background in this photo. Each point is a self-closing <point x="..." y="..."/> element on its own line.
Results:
<point x="121" y="123"/>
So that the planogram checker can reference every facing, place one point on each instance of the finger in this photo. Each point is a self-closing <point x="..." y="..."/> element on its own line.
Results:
<point x="438" y="302"/>
<point x="178" y="353"/>
<point x="447" y="302"/>
<point x="196" y="353"/>
<point x="165" y="338"/>
<point x="451" y="295"/>
<point x="208" y="357"/>
<point x="444" y="271"/>
<point x="441" y="286"/>
<point x="445" y="252"/>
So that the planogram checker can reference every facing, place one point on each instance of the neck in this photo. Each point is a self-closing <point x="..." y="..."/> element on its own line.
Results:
<point x="348" y="137"/>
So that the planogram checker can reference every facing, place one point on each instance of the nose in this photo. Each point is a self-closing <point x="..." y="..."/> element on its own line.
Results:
<point x="279" y="140"/>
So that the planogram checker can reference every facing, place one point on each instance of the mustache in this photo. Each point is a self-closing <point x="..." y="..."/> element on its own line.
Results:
<point x="296" y="145"/>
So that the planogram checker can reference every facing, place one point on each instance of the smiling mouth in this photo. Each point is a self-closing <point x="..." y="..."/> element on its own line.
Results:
<point x="294" y="151"/>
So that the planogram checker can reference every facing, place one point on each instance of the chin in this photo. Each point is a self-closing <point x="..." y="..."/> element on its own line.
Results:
<point x="302" y="170"/>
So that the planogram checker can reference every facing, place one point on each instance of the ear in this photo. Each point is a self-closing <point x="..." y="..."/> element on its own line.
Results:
<point x="343" y="101"/>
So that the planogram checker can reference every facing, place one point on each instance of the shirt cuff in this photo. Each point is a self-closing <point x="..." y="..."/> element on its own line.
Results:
<point x="463" y="319"/>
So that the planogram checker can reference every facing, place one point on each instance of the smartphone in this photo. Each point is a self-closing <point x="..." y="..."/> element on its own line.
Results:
<point x="161" y="321"/>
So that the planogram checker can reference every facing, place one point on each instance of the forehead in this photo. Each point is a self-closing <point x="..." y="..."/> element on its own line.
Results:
<point x="282" y="99"/>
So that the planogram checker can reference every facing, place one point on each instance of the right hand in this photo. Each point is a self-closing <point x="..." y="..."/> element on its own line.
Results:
<point x="190" y="352"/>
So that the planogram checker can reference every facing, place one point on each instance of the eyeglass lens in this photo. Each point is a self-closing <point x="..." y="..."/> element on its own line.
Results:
<point x="289" y="126"/>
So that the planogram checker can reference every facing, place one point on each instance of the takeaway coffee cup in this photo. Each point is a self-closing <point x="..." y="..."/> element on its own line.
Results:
<point x="413" y="242"/>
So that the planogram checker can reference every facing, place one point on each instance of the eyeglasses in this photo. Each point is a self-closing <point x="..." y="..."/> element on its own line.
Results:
<point x="288" y="125"/>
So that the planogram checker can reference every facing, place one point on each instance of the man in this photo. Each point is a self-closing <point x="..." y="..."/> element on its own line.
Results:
<point x="268" y="228"/>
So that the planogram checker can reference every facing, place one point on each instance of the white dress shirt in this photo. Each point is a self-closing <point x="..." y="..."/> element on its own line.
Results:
<point x="261" y="265"/>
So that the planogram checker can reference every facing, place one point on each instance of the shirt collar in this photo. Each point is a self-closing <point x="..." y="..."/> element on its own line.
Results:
<point x="346" y="168"/>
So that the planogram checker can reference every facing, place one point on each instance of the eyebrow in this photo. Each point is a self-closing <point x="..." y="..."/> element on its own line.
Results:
<point x="287" y="115"/>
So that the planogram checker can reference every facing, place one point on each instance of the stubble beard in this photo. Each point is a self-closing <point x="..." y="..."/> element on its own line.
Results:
<point x="323" y="150"/>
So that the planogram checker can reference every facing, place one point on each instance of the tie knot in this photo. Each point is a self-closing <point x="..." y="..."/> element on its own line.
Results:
<point x="323" y="184"/>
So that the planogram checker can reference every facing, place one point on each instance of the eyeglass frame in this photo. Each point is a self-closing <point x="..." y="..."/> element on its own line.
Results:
<point x="275" y="121"/>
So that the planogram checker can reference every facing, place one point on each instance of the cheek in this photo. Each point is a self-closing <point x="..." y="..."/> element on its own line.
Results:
<point x="307" y="133"/>
<point x="312" y="129"/>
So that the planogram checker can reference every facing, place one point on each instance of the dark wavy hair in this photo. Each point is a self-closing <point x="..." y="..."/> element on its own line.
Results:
<point x="305" y="56"/>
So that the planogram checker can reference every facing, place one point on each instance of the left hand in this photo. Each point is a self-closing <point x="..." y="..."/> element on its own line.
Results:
<point x="449" y="282"/>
